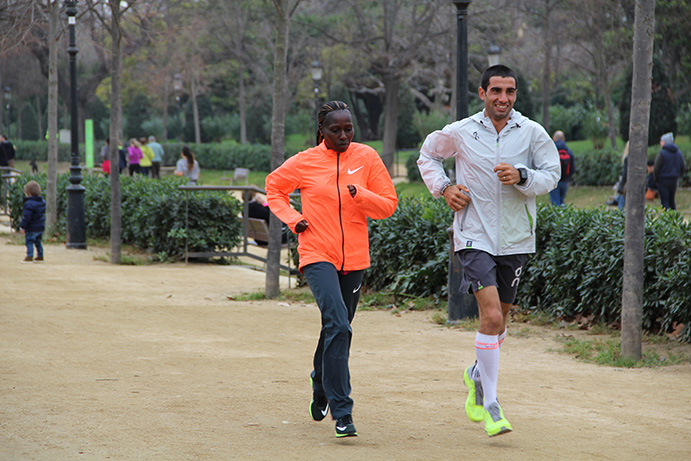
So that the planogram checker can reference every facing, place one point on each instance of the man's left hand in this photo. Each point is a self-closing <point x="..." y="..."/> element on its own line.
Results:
<point x="507" y="174"/>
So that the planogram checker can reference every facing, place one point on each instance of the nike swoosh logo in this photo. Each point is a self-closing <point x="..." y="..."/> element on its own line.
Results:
<point x="358" y="287"/>
<point x="342" y="428"/>
<point x="355" y="170"/>
<point x="325" y="410"/>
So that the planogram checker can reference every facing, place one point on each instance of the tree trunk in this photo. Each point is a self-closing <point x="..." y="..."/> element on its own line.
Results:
<point x="634" y="238"/>
<point x="611" y="126"/>
<point x="195" y="111"/>
<point x="391" y="84"/>
<point x="115" y="130"/>
<point x="52" y="174"/>
<point x="241" y="106"/>
<point x="273" y="256"/>
<point x="39" y="117"/>
<point x="164" y="135"/>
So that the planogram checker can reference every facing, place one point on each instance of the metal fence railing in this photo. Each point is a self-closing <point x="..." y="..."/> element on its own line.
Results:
<point x="7" y="176"/>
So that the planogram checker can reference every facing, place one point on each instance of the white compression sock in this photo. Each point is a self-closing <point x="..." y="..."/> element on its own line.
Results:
<point x="500" y="339"/>
<point x="487" y="352"/>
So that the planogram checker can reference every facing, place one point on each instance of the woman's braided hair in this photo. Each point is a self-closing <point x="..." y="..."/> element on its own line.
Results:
<point x="324" y="110"/>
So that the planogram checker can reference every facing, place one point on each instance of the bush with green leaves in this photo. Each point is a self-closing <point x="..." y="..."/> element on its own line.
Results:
<point x="153" y="213"/>
<point x="597" y="168"/>
<point x="571" y="120"/>
<point x="578" y="267"/>
<point x="410" y="250"/>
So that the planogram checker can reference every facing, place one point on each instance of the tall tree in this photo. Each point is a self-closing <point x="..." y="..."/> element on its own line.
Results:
<point x="53" y="8"/>
<point x="634" y="237"/>
<point x="284" y="10"/>
<point x="601" y="39"/>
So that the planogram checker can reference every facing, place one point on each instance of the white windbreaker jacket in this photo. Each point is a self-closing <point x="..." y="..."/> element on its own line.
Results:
<point x="499" y="219"/>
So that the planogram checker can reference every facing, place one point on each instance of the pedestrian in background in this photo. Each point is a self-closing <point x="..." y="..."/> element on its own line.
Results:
<point x="568" y="167"/>
<point x="158" y="151"/>
<point x="134" y="157"/>
<point x="669" y="167"/>
<point x="33" y="222"/>
<point x="188" y="166"/>
<point x="147" y="158"/>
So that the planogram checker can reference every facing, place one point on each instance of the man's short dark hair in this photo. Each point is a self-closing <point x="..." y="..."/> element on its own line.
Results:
<point x="500" y="70"/>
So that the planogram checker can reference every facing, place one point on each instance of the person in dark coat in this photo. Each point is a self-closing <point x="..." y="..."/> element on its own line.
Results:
<point x="568" y="167"/>
<point x="33" y="221"/>
<point x="669" y="167"/>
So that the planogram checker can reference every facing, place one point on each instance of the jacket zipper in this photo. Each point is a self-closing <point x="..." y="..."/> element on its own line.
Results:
<point x="497" y="249"/>
<point x="340" y="210"/>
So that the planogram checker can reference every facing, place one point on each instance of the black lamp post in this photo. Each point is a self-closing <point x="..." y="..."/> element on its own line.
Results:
<point x="461" y="58"/>
<point x="76" y="225"/>
<point x="177" y="88"/>
<point x="460" y="305"/>
<point x="316" y="78"/>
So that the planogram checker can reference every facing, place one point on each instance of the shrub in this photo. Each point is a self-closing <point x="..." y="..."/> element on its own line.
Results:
<point x="597" y="168"/>
<point x="578" y="267"/>
<point x="577" y="270"/>
<point x="153" y="213"/>
<point x="409" y="250"/>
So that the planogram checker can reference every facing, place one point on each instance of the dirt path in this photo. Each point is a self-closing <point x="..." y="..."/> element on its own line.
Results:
<point x="155" y="362"/>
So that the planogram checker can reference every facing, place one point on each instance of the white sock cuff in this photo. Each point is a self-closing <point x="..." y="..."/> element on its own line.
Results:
<point x="502" y="337"/>
<point x="486" y="342"/>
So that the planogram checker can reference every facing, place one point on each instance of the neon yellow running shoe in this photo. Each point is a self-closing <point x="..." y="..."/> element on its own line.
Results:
<point x="474" y="403"/>
<point x="495" y="423"/>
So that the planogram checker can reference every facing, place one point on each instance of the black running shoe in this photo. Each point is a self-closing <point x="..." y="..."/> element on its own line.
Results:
<point x="345" y="427"/>
<point x="319" y="406"/>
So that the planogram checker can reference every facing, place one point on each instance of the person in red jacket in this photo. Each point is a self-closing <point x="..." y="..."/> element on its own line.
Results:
<point x="341" y="183"/>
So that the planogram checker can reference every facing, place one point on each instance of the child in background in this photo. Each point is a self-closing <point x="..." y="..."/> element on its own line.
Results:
<point x="33" y="221"/>
<point x="650" y="186"/>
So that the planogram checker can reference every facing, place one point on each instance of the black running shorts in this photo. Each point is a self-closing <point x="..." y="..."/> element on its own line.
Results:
<point x="481" y="269"/>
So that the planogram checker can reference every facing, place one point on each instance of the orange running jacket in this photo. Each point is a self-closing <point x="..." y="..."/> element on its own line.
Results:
<point x="337" y="231"/>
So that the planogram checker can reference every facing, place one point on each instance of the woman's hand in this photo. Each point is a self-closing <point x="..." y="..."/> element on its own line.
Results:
<point x="352" y="189"/>
<point x="301" y="227"/>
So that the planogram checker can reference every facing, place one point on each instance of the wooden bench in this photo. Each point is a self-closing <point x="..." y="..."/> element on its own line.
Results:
<point x="240" y="174"/>
<point x="258" y="229"/>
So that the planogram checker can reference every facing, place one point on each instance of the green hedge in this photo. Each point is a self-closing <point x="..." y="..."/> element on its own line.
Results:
<point x="410" y="250"/>
<point x="153" y="213"/>
<point x="224" y="156"/>
<point x="577" y="269"/>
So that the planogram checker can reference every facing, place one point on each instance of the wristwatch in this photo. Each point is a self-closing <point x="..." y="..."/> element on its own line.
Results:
<point x="524" y="176"/>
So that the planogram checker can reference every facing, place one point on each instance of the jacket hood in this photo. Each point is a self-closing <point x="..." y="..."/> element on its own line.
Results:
<point x="670" y="147"/>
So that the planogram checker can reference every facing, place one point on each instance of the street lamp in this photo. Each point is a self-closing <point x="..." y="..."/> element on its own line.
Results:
<point x="76" y="225"/>
<point x="493" y="55"/>
<point x="177" y="88"/>
<point x="461" y="58"/>
<point x="316" y="78"/>
<point x="459" y="305"/>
